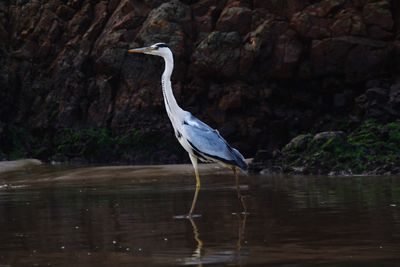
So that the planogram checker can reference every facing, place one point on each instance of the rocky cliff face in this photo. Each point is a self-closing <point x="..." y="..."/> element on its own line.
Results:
<point x="260" y="71"/>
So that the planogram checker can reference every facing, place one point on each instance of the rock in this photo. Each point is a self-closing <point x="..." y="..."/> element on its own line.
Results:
<point x="348" y="22"/>
<point x="310" y="26"/>
<point x="394" y="96"/>
<point x="110" y="60"/>
<point x="298" y="143"/>
<point x="378" y="33"/>
<point x="379" y="103"/>
<point x="100" y="110"/>
<point x="313" y="21"/>
<point x="329" y="56"/>
<point x="343" y="100"/>
<point x="122" y="26"/>
<point x="325" y="7"/>
<point x="266" y="162"/>
<point x="358" y="58"/>
<point x="65" y="12"/>
<point x="373" y="83"/>
<point x="218" y="54"/>
<point x="260" y="45"/>
<point x="378" y="13"/>
<point x="234" y="19"/>
<point x="204" y="15"/>
<point x="284" y="8"/>
<point x="169" y="23"/>
<point x="365" y="62"/>
<point x="324" y="136"/>
<point x="231" y="101"/>
<point x="288" y="53"/>
<point x="264" y="154"/>
<point x="377" y="94"/>
<point x="337" y="153"/>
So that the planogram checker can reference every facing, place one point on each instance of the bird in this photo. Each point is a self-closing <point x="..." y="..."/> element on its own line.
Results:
<point x="200" y="140"/>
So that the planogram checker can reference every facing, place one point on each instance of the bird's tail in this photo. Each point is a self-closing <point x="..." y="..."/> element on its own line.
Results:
<point x="239" y="160"/>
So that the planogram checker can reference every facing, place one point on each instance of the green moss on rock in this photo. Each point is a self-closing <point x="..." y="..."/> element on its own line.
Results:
<point x="90" y="145"/>
<point x="371" y="148"/>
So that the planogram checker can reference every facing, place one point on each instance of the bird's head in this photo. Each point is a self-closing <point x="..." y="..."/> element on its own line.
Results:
<point x="158" y="49"/>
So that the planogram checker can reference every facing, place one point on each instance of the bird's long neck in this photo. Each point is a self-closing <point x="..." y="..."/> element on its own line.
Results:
<point x="170" y="102"/>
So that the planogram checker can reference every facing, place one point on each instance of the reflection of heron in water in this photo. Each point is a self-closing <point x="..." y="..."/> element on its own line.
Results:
<point x="200" y="257"/>
<point x="197" y="138"/>
<point x="196" y="236"/>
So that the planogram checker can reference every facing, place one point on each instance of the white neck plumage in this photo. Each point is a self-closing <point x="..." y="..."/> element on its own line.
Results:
<point x="169" y="100"/>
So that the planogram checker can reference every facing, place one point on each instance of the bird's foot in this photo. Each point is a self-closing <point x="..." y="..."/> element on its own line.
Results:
<point x="187" y="216"/>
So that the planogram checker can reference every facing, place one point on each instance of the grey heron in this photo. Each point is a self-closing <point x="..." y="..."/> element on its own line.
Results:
<point x="200" y="140"/>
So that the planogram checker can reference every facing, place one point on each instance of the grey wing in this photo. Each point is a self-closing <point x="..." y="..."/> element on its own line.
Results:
<point x="208" y="143"/>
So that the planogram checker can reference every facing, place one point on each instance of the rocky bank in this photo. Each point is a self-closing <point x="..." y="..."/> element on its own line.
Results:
<point x="262" y="72"/>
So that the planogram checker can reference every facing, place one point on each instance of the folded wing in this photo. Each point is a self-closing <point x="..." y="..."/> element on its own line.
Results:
<point x="208" y="144"/>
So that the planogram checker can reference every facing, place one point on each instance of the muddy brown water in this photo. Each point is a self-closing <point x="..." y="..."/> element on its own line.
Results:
<point x="124" y="216"/>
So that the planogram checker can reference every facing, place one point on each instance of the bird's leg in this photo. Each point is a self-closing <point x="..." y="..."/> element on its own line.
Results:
<point x="198" y="184"/>
<point x="240" y="197"/>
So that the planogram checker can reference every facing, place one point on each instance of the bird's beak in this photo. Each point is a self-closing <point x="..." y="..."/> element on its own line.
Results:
<point x="140" y="50"/>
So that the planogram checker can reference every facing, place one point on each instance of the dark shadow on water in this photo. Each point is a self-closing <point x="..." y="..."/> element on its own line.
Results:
<point x="293" y="221"/>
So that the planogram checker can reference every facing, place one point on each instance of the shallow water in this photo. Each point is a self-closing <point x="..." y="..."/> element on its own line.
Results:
<point x="124" y="216"/>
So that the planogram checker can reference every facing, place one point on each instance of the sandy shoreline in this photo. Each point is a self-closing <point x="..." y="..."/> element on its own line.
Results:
<point x="15" y="165"/>
<point x="34" y="171"/>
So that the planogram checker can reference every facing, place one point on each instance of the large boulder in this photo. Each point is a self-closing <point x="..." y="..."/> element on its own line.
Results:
<point x="316" y="20"/>
<point x="378" y="17"/>
<point x="288" y="52"/>
<point x="218" y="55"/>
<point x="358" y="59"/>
<point x="348" y="22"/>
<point x="282" y="8"/>
<point x="169" y="23"/>
<point x="235" y="19"/>
<point x="380" y="102"/>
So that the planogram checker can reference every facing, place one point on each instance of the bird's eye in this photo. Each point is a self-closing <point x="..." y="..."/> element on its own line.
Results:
<point x="155" y="47"/>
